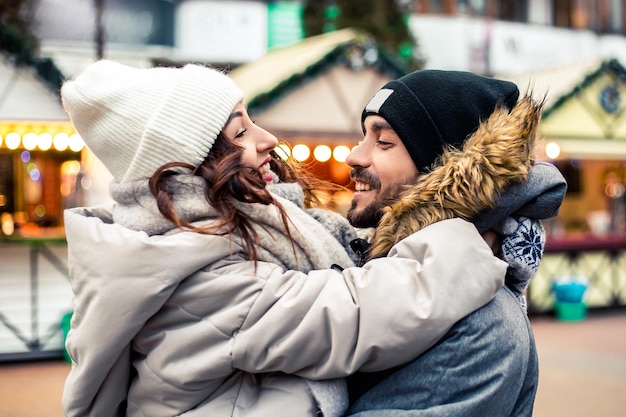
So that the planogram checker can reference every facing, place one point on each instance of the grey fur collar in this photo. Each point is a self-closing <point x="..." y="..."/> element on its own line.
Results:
<point x="314" y="246"/>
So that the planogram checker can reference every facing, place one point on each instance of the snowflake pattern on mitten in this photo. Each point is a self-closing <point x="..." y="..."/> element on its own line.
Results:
<point x="522" y="248"/>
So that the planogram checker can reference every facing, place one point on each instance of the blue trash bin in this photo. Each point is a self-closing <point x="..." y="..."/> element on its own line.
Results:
<point x="569" y="292"/>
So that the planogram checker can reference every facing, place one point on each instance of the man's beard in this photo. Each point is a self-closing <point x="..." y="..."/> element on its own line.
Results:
<point x="370" y="215"/>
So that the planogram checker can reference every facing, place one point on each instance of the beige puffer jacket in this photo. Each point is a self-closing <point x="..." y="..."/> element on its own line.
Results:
<point x="176" y="325"/>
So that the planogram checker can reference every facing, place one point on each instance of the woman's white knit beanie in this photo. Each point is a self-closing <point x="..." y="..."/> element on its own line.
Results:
<point x="135" y="120"/>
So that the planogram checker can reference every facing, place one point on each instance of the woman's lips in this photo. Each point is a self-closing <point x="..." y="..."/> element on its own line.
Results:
<point x="266" y="173"/>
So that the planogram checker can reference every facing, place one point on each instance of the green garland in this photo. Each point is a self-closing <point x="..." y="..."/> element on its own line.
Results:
<point x="611" y="66"/>
<point x="386" y="63"/>
<point x="23" y="53"/>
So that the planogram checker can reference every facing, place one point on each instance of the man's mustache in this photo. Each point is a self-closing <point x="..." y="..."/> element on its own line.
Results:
<point x="363" y="175"/>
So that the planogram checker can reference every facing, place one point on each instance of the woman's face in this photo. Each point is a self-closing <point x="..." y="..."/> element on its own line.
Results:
<point x="257" y="143"/>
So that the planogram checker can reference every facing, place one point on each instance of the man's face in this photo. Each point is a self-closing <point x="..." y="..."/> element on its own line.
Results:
<point x="380" y="165"/>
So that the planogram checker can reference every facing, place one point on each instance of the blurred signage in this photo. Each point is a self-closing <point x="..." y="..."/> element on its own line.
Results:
<point x="221" y="31"/>
<point x="284" y="23"/>
<point x="136" y="22"/>
<point x="498" y="47"/>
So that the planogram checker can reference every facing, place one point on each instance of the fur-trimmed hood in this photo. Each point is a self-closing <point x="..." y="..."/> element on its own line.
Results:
<point x="465" y="182"/>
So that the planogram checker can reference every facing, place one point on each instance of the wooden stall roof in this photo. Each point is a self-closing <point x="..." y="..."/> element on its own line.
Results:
<point x="282" y="70"/>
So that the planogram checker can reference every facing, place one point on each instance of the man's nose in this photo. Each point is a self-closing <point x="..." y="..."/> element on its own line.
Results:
<point x="358" y="156"/>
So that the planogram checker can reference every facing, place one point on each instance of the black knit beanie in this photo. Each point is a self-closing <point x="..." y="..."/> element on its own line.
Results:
<point x="430" y="109"/>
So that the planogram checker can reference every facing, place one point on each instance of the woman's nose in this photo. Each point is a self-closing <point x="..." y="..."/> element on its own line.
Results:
<point x="266" y="140"/>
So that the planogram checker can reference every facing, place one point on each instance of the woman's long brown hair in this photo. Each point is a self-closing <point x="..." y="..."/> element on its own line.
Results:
<point x="228" y="180"/>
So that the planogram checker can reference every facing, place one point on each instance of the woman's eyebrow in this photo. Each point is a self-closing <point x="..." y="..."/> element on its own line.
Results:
<point x="232" y="116"/>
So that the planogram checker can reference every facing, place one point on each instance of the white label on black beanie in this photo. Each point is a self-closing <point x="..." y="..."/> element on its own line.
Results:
<point x="378" y="100"/>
